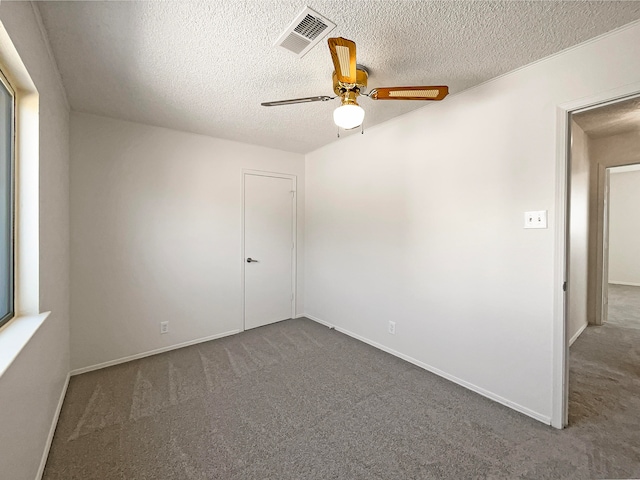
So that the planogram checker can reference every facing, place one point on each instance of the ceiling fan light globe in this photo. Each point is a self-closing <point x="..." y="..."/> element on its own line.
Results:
<point x="348" y="116"/>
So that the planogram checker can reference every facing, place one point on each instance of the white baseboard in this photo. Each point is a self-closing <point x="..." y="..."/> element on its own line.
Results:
<point x="485" y="393"/>
<point x="577" y="334"/>
<point x="137" y="356"/>
<point x="52" y="430"/>
<point x="629" y="284"/>
<point x="318" y="320"/>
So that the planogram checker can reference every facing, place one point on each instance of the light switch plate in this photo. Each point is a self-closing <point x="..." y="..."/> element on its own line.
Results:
<point x="537" y="219"/>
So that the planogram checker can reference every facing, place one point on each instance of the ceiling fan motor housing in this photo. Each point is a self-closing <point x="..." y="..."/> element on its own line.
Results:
<point x="362" y="76"/>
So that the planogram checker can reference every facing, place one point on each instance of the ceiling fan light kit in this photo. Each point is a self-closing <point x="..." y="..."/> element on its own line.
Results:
<point x="350" y="81"/>
<point x="348" y="116"/>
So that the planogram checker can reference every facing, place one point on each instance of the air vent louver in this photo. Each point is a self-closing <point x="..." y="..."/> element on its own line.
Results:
<point x="311" y="27"/>
<point x="307" y="29"/>
<point x="295" y="43"/>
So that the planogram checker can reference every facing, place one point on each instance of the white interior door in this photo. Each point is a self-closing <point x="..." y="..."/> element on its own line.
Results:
<point x="269" y="249"/>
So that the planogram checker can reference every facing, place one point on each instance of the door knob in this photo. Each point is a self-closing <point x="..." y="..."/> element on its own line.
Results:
<point x="249" y="260"/>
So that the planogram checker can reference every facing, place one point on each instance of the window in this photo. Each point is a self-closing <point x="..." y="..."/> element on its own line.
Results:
<point x="6" y="201"/>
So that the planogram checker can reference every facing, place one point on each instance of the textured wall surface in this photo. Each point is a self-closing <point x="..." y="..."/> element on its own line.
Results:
<point x="30" y="389"/>
<point x="204" y="67"/>
<point x="156" y="235"/>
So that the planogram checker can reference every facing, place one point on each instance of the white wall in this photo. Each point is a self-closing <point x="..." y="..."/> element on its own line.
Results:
<point x="605" y="152"/>
<point x="30" y="389"/>
<point x="624" y="228"/>
<point x="578" y="232"/>
<point x="156" y="235"/>
<point x="420" y="221"/>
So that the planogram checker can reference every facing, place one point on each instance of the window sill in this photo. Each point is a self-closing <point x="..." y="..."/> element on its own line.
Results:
<point x="15" y="335"/>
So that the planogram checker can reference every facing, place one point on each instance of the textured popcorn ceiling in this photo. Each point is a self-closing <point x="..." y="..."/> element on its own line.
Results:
<point x="204" y="67"/>
<point x="614" y="119"/>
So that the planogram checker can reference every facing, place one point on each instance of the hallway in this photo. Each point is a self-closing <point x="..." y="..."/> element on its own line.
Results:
<point x="604" y="385"/>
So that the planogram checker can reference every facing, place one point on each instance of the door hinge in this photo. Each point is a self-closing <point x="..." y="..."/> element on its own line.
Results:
<point x="564" y="287"/>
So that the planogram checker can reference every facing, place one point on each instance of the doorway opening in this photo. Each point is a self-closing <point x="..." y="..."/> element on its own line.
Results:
<point x="621" y="277"/>
<point x="601" y="375"/>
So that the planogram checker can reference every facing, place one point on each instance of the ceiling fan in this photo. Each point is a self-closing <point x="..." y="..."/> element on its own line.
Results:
<point x="350" y="81"/>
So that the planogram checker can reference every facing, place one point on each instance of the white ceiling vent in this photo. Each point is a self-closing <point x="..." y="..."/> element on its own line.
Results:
<point x="304" y="32"/>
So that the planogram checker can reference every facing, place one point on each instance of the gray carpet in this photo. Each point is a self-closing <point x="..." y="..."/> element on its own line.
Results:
<point x="624" y="306"/>
<point x="295" y="400"/>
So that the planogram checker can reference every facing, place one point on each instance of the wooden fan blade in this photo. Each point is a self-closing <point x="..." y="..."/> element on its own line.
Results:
<point x="410" y="93"/>
<point x="321" y="98"/>
<point x="343" y="54"/>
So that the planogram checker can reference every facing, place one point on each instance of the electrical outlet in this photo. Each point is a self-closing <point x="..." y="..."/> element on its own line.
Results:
<point x="392" y="327"/>
<point x="164" y="327"/>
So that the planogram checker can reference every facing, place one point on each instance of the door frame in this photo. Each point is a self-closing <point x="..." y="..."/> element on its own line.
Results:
<point x="602" y="246"/>
<point x="560" y="362"/>
<point x="294" y="235"/>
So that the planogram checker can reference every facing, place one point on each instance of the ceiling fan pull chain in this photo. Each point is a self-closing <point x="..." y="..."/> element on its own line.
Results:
<point x="338" y="132"/>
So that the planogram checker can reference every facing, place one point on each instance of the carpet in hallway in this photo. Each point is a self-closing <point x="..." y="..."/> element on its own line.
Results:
<point x="624" y="306"/>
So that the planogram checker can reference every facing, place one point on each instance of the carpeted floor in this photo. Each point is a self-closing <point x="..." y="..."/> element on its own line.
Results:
<point x="624" y="306"/>
<point x="295" y="400"/>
